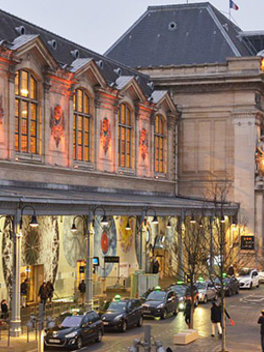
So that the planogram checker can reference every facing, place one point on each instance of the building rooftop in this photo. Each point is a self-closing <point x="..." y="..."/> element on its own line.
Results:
<point x="183" y="34"/>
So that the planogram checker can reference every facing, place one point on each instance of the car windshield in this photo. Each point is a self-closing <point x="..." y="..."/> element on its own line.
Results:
<point x="179" y="289"/>
<point x="244" y="272"/>
<point x="117" y="307"/>
<point x="201" y="285"/>
<point x="156" y="296"/>
<point x="72" y="321"/>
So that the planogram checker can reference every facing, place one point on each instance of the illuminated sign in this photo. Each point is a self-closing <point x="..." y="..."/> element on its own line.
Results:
<point x="248" y="242"/>
<point x="111" y="259"/>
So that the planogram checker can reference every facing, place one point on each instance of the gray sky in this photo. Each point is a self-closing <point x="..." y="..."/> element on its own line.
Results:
<point x="96" y="24"/>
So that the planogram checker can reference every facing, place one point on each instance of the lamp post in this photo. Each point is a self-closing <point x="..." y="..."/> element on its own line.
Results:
<point x="15" y="321"/>
<point x="154" y="221"/>
<point x="89" y="259"/>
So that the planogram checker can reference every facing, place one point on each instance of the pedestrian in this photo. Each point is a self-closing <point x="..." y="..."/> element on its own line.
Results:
<point x="50" y="290"/>
<point x="43" y="293"/>
<point x="155" y="266"/>
<point x="187" y="312"/>
<point x="231" y="271"/>
<point x="4" y="309"/>
<point x="23" y="292"/>
<point x="261" y="321"/>
<point x="82" y="290"/>
<point x="216" y="319"/>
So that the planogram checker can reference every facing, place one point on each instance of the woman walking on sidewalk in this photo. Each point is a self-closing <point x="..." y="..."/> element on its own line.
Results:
<point x="216" y="319"/>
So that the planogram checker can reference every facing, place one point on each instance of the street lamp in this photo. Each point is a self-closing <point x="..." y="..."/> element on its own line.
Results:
<point x="89" y="259"/>
<point x="33" y="222"/>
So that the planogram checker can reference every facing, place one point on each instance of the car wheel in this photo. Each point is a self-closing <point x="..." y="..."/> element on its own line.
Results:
<point x="140" y="321"/>
<point x="257" y="285"/>
<point x="99" y="336"/>
<point x="164" y="314"/>
<point x="79" y="343"/>
<point x="250" y="286"/>
<point x="205" y="299"/>
<point x="124" y="326"/>
<point x="176" y="311"/>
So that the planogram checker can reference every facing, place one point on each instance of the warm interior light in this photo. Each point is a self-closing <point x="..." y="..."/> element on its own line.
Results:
<point x="262" y="64"/>
<point x="24" y="91"/>
<point x="222" y="219"/>
<point x="155" y="220"/>
<point x="104" y="221"/>
<point x="192" y="221"/>
<point x="73" y="228"/>
<point x="201" y="223"/>
<point x="34" y="222"/>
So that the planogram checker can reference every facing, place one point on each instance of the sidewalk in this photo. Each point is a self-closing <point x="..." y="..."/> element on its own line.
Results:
<point x="18" y="344"/>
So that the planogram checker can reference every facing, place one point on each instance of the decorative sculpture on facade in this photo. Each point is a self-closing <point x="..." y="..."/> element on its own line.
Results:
<point x="57" y="124"/>
<point x="143" y="143"/>
<point x="105" y="135"/>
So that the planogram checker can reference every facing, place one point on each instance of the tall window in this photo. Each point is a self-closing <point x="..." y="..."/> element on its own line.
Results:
<point x="27" y="130"/>
<point x="81" y="125"/>
<point x="125" y="136"/>
<point x="160" y="144"/>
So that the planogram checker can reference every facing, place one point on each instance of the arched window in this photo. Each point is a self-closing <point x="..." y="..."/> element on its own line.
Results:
<point x="125" y="136"/>
<point x="81" y="126"/>
<point x="160" y="144"/>
<point x="27" y="120"/>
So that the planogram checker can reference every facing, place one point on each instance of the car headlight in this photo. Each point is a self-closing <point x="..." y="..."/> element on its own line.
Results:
<point x="181" y="305"/>
<point x="71" y="335"/>
<point x="181" y="299"/>
<point x="160" y="305"/>
<point x="118" y="317"/>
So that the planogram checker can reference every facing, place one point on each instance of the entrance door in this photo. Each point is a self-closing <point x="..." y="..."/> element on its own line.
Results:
<point x="35" y="276"/>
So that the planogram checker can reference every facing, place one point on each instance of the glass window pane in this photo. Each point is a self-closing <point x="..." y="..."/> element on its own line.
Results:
<point x="161" y="126"/>
<point x="79" y="152"/>
<point x="79" y="137"/>
<point x="79" y="123"/>
<point x="24" y="109"/>
<point x="86" y="104"/>
<point x="24" y="84"/>
<point x="74" y="101"/>
<point x="86" y="154"/>
<point x="24" y="143"/>
<point x="16" y="143"/>
<point x="86" y="124"/>
<point x="123" y="112"/>
<point x="17" y="83"/>
<point x="128" y="116"/>
<point x="33" y="144"/>
<point x="33" y="112"/>
<point x="157" y="124"/>
<point x="33" y="88"/>
<point x="86" y="138"/>
<point x="17" y="108"/>
<point x="80" y="100"/>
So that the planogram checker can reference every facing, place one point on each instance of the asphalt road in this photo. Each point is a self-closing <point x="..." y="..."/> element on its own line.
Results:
<point x="243" y="337"/>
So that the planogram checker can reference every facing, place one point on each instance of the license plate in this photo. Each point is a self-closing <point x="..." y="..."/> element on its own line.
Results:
<point x="54" y="340"/>
<point x="106" y="323"/>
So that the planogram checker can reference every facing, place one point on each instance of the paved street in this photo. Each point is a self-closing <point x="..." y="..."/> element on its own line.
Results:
<point x="243" y="337"/>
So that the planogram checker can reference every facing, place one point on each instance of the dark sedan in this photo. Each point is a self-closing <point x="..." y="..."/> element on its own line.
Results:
<point x="160" y="303"/>
<point x="231" y="286"/>
<point x="122" y="314"/>
<point x="184" y="292"/>
<point x="73" y="330"/>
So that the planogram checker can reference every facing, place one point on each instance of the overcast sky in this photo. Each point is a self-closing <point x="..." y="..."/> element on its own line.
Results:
<point x="96" y="24"/>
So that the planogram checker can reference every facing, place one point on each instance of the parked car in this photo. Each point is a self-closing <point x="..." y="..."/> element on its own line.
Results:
<point x="160" y="303"/>
<point x="231" y="286"/>
<point x="122" y="314"/>
<point x="184" y="292"/>
<point x="73" y="330"/>
<point x="248" y="278"/>
<point x="206" y="291"/>
<point x="261" y="277"/>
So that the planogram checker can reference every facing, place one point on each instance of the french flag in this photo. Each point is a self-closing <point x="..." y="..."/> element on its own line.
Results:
<point x="232" y="5"/>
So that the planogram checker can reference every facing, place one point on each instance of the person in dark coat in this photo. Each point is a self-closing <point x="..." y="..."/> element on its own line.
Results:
<point x="4" y="309"/>
<point x="82" y="290"/>
<point x="261" y="322"/>
<point x="50" y="290"/>
<point x="187" y="312"/>
<point x="155" y="266"/>
<point x="23" y="292"/>
<point x="216" y="319"/>
<point x="43" y="293"/>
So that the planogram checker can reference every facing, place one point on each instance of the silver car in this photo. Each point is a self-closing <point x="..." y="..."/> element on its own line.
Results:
<point x="206" y="291"/>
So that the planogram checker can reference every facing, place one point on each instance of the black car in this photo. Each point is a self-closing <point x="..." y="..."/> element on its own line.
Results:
<point x="160" y="303"/>
<point x="73" y="330"/>
<point x="184" y="292"/>
<point x="122" y="314"/>
<point x="231" y="286"/>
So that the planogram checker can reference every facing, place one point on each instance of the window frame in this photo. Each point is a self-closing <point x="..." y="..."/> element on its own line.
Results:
<point x="19" y="118"/>
<point x="127" y="128"/>
<point x="76" y="131"/>
<point x="161" y="136"/>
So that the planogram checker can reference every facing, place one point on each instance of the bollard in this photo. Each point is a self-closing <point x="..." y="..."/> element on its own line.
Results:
<point x="147" y="338"/>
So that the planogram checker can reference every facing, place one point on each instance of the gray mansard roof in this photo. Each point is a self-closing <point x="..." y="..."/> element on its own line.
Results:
<point x="10" y="33"/>
<point x="180" y="34"/>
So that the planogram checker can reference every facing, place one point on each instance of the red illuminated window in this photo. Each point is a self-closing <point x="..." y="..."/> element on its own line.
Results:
<point x="159" y="144"/>
<point x="125" y="136"/>
<point x="81" y="125"/>
<point x="27" y="120"/>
